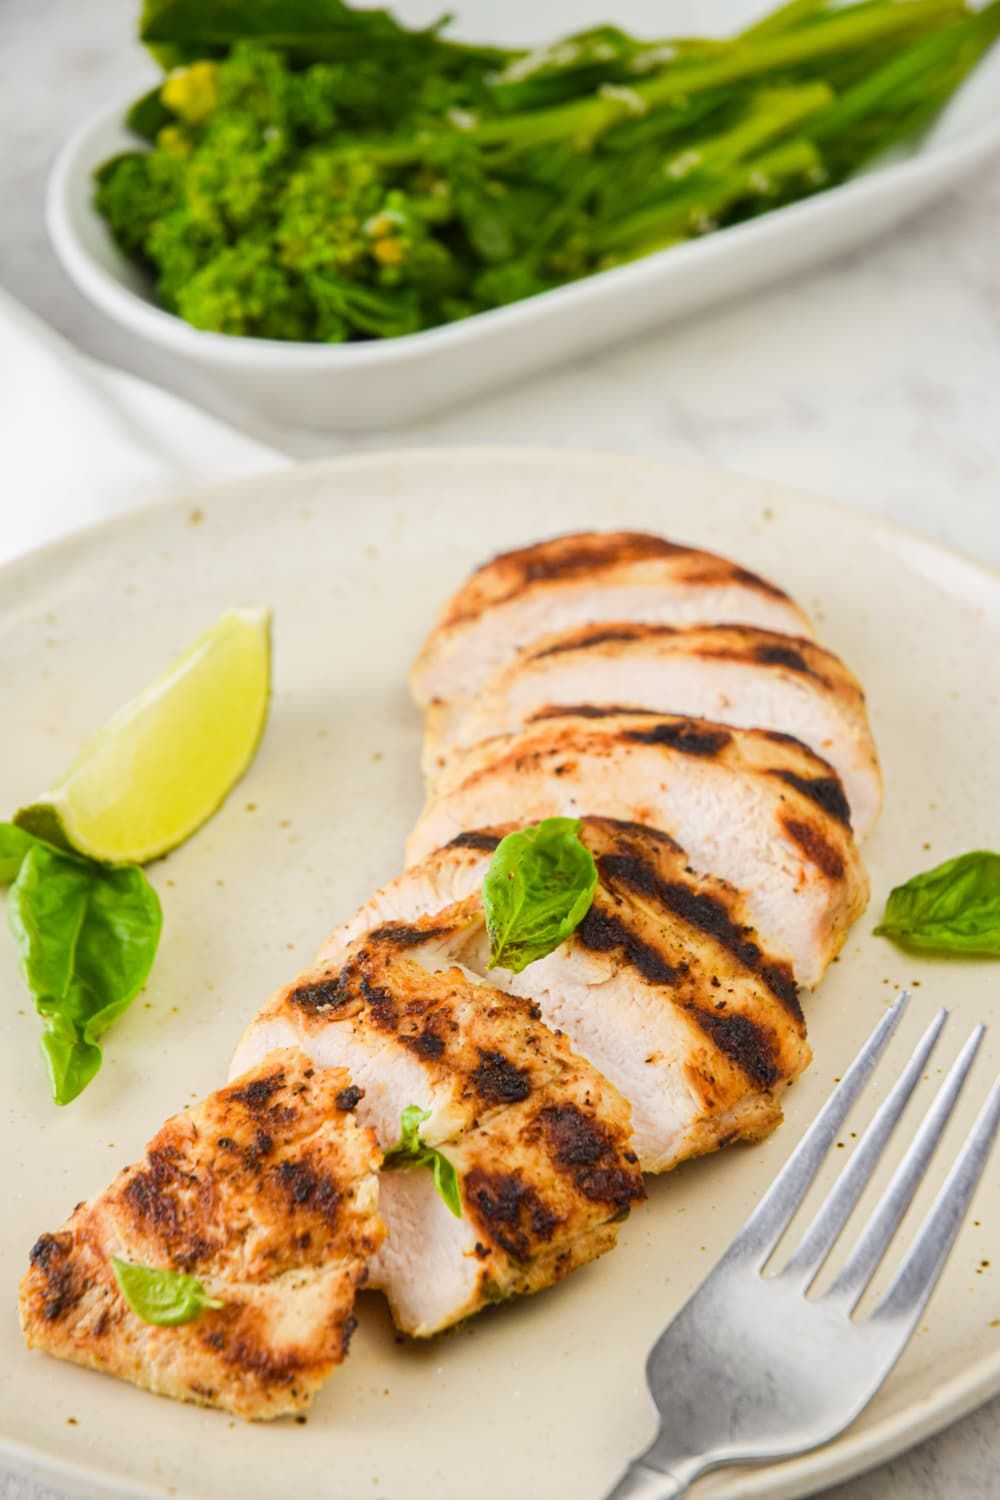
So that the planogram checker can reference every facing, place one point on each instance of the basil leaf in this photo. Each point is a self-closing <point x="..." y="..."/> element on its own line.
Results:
<point x="538" y="889"/>
<point x="87" y="935"/>
<point x="14" y="845"/>
<point x="411" y="1151"/>
<point x="954" y="908"/>
<point x="166" y="1298"/>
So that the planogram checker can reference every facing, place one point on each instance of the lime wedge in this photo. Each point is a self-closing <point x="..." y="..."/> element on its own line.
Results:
<point x="165" y="761"/>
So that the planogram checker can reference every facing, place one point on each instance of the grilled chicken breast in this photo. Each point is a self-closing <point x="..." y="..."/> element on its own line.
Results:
<point x="582" y="579"/>
<point x="267" y="1192"/>
<point x="664" y="987"/>
<point x="754" y="808"/>
<point x="733" y="674"/>
<point x="539" y="1140"/>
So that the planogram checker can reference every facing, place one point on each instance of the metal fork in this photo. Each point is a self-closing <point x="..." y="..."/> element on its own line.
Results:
<point x="751" y="1369"/>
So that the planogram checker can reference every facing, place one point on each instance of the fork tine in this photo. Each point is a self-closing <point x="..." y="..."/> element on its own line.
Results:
<point x="822" y="1234"/>
<point x="769" y="1219"/>
<point x="864" y="1260"/>
<point x="917" y="1276"/>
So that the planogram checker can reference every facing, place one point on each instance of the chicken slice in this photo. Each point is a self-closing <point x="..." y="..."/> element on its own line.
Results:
<point x="582" y="579"/>
<point x="733" y="674"/>
<point x="756" y="808"/>
<point x="267" y="1192"/>
<point x="664" y="987"/>
<point x="539" y="1140"/>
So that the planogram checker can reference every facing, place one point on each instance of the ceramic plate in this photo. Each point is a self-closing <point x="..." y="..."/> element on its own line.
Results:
<point x="544" y="1398"/>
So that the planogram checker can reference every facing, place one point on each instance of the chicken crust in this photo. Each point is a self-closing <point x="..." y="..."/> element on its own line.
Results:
<point x="267" y="1192"/>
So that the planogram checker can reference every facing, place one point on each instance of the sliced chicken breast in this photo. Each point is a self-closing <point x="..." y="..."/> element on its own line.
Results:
<point x="506" y="1100"/>
<point x="664" y="987"/>
<point x="733" y="674"/>
<point x="582" y="579"/>
<point x="267" y="1192"/>
<point x="753" y="807"/>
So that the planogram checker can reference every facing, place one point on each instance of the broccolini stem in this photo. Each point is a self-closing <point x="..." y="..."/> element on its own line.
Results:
<point x="698" y="209"/>
<point x="588" y="118"/>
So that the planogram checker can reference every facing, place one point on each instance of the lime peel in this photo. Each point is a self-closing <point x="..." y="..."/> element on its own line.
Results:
<point x="164" y="763"/>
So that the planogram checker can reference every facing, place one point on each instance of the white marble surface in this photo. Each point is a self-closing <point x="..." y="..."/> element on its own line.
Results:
<point x="876" y="381"/>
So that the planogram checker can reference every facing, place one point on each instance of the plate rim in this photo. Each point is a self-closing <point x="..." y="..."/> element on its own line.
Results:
<point x="844" y="1457"/>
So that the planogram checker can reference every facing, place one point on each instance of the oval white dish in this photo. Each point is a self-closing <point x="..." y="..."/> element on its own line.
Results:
<point x="545" y="1397"/>
<point x="385" y="383"/>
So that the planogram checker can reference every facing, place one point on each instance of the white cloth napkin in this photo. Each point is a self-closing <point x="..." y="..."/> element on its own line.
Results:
<point x="80" y="441"/>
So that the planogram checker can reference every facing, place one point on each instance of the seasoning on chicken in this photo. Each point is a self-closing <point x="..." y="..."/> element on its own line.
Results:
<point x="583" y="579"/>
<point x="733" y="674"/>
<point x="540" y="1142"/>
<point x="267" y="1193"/>
<point x="754" y="808"/>
<point x="664" y="987"/>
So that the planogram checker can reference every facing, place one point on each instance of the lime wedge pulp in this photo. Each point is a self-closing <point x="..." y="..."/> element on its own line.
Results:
<point x="165" y="761"/>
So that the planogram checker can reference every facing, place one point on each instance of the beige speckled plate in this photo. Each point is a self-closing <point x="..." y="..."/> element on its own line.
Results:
<point x="545" y="1398"/>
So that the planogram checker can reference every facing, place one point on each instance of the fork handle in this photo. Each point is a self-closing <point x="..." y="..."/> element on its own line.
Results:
<point x="640" y="1483"/>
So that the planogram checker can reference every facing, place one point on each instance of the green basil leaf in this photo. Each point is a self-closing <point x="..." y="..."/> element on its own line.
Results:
<point x="411" y="1151"/>
<point x="166" y="1298"/>
<point x="538" y="889"/>
<point x="14" y="845"/>
<point x="87" y="936"/>
<point x="954" y="908"/>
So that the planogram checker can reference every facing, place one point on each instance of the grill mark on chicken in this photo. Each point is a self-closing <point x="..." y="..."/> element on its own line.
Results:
<point x="349" y="1098"/>
<point x="709" y="915"/>
<point x="588" y="711"/>
<point x="319" y="995"/>
<point x="772" y="655"/>
<point x="603" y="933"/>
<point x="484" y="841"/>
<point x="602" y="636"/>
<point x="825" y="791"/>
<point x="685" y="735"/>
<point x="426" y="1044"/>
<point x="579" y="1146"/>
<point x="258" y="1094"/>
<point x="307" y="1188"/>
<point x="812" y="843"/>
<point x="403" y="935"/>
<point x="50" y="1254"/>
<point x="748" y="1043"/>
<point x="497" y="1080"/>
<point x="509" y="1211"/>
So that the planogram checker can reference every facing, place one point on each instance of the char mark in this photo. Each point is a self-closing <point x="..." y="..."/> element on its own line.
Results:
<point x="403" y="935"/>
<point x="583" y="1148"/>
<point x="51" y="1256"/>
<point x="589" y="711"/>
<point x="825" y="791"/>
<point x="426" y="1044"/>
<point x="308" y="1189"/>
<point x="708" y="914"/>
<point x="319" y="995"/>
<point x="603" y="635"/>
<point x="745" y="1042"/>
<point x="685" y="735"/>
<point x="603" y="933"/>
<point x="349" y="1098"/>
<point x="772" y="655"/>
<point x="487" y="842"/>
<point x="509" y="1211"/>
<point x="815" y="847"/>
<point x="497" y="1080"/>
<point x="258" y="1094"/>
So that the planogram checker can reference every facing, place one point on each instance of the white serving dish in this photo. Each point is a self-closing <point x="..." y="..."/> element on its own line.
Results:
<point x="383" y="384"/>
